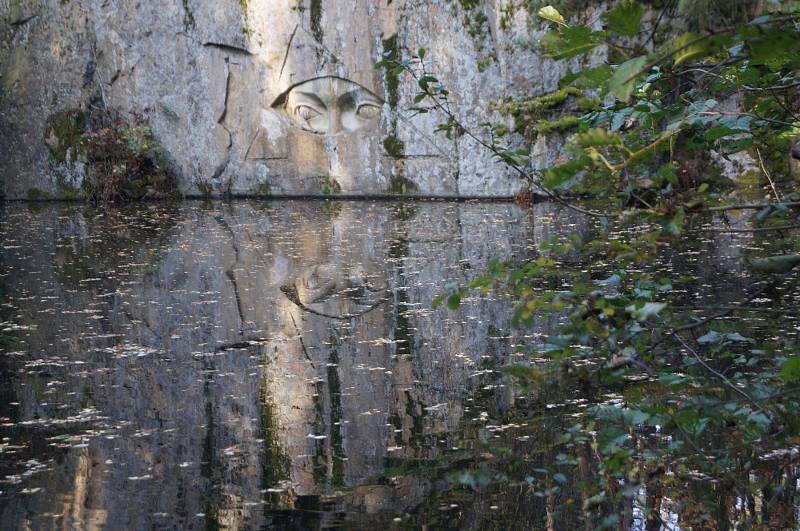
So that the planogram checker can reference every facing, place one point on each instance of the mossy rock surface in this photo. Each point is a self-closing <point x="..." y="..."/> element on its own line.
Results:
<point x="64" y="132"/>
<point x="329" y="185"/>
<point x="262" y="189"/>
<point x="394" y="147"/>
<point x="402" y="186"/>
<point x="34" y="194"/>
<point x="124" y="161"/>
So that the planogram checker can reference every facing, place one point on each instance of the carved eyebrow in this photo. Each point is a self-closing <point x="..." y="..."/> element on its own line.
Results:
<point x="353" y="96"/>
<point x="314" y="99"/>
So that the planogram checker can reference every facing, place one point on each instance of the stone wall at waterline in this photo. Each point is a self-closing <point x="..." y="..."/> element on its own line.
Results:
<point x="264" y="96"/>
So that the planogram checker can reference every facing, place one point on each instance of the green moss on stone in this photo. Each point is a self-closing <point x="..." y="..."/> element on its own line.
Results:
<point x="34" y="194"/>
<point x="262" y="189"/>
<point x="329" y="185"/>
<point x="246" y="30"/>
<point x="315" y="12"/>
<point x="188" y="16"/>
<point x="485" y="62"/>
<point x="204" y="187"/>
<point x="65" y="191"/>
<point x="587" y="104"/>
<point x="394" y="147"/>
<point x="560" y="124"/>
<point x="391" y="53"/>
<point x="64" y="132"/>
<point x="545" y="101"/>
<point x="402" y="185"/>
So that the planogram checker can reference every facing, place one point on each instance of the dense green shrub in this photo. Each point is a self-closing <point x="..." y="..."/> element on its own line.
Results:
<point x="125" y="162"/>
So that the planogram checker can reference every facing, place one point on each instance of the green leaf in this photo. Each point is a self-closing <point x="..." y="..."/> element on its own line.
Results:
<point x="592" y="77"/>
<point x="717" y="337"/>
<point x="611" y="439"/>
<point x="776" y="49"/>
<point x="570" y="42"/>
<point x="774" y="264"/>
<point x="597" y="137"/>
<point x="550" y="13"/>
<point x="673" y="225"/>
<point x="558" y="175"/>
<point x="634" y="417"/>
<point x="686" y="51"/>
<point x="522" y="371"/>
<point x="790" y="371"/>
<point x="623" y="81"/>
<point x="625" y="19"/>
<point x="649" y="309"/>
<point x="454" y="301"/>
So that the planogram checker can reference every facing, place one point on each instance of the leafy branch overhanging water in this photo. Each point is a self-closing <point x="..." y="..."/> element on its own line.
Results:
<point x="706" y="399"/>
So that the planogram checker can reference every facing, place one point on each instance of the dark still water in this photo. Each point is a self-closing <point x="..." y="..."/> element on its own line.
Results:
<point x="272" y="365"/>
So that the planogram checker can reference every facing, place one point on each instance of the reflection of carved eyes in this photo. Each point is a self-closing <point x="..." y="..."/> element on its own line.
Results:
<point x="367" y="110"/>
<point x="306" y="113"/>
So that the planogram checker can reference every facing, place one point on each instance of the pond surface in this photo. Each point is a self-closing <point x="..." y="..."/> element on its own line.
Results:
<point x="255" y="365"/>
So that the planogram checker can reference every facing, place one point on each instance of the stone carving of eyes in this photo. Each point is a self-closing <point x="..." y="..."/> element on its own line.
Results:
<point x="306" y="113"/>
<point x="330" y="290"/>
<point x="329" y="105"/>
<point x="368" y="111"/>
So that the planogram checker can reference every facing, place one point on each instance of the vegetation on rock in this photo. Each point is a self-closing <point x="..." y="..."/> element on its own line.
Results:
<point x="124" y="161"/>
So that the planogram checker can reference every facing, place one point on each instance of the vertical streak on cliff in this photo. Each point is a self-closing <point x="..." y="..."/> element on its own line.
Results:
<point x="221" y="121"/>
<point x="320" y="461"/>
<point x="394" y="147"/>
<point x="230" y="272"/>
<point x="209" y="464"/>
<point x="335" y="393"/>
<point x="315" y="14"/>
<point x="275" y="464"/>
<point x="403" y="337"/>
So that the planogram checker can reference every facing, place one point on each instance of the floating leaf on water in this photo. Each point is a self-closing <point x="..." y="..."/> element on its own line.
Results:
<point x="649" y="309"/>
<point x="774" y="264"/>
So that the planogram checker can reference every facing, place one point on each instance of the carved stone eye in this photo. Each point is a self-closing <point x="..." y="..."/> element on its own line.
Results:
<point x="367" y="110"/>
<point x="306" y="113"/>
<point x="329" y="105"/>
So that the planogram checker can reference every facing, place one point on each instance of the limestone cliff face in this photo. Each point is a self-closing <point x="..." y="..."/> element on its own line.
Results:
<point x="263" y="96"/>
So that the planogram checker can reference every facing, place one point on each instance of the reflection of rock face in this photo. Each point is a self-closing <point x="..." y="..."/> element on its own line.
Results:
<point x="326" y="290"/>
<point x="179" y="377"/>
<point x="236" y="361"/>
<point x="205" y="74"/>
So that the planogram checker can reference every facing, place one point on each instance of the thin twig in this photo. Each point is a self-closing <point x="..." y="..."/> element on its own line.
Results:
<point x="721" y="376"/>
<point x="727" y="312"/>
<point x="758" y="229"/>
<point x="524" y="174"/>
<point x="766" y="174"/>
<point x="731" y="29"/>
<point x="774" y="88"/>
<point x="753" y="206"/>
<point x="735" y="308"/>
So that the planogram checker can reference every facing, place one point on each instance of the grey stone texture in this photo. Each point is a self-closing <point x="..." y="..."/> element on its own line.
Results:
<point x="205" y="76"/>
